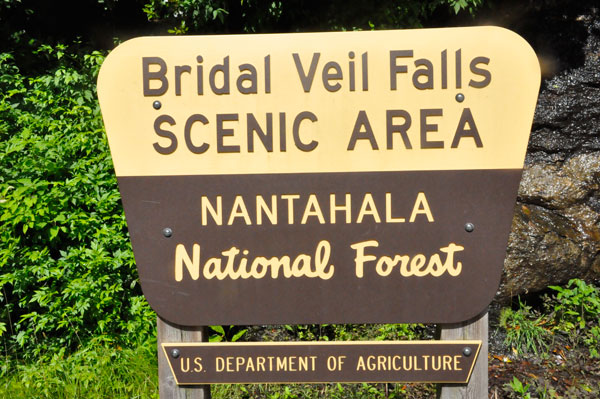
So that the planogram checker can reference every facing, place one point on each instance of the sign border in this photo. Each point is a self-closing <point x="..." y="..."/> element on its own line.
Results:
<point x="477" y="343"/>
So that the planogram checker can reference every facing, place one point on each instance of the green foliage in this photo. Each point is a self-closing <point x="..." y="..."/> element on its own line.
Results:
<point x="577" y="313"/>
<point x="355" y="332"/>
<point x="460" y="5"/>
<point x="526" y="331"/>
<point x="196" y="13"/>
<point x="518" y="388"/>
<point x="226" y="334"/>
<point x="318" y="391"/>
<point x="10" y="3"/>
<point x="390" y="332"/>
<point x="187" y="16"/>
<point x="573" y="313"/>
<point x="545" y="392"/>
<point x="67" y="273"/>
<point x="577" y="303"/>
<point x="311" y="332"/>
<point x="90" y="373"/>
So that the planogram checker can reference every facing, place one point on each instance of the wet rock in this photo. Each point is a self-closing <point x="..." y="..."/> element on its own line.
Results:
<point x="556" y="227"/>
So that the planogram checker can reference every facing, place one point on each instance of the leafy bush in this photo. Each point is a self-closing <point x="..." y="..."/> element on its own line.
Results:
<point x="194" y="16"/>
<point x="67" y="272"/>
<point x="577" y="313"/>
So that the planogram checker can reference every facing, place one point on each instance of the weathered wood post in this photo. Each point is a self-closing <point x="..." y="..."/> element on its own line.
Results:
<point x="477" y="388"/>
<point x="167" y="387"/>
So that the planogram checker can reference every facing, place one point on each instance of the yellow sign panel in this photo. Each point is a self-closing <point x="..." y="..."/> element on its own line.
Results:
<point x="406" y="100"/>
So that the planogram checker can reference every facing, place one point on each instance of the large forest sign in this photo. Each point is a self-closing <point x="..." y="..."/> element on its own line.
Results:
<point x="320" y="177"/>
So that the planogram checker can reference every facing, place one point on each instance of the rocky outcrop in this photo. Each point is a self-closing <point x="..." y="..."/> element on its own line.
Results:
<point x="556" y="227"/>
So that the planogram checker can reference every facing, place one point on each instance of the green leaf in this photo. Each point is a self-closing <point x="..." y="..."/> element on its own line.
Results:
<point x="218" y="329"/>
<point x="238" y="335"/>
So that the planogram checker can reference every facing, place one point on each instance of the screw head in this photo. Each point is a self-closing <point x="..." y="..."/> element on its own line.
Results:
<point x="174" y="353"/>
<point x="167" y="232"/>
<point x="469" y="227"/>
<point x="467" y="351"/>
<point x="460" y="97"/>
<point x="156" y="104"/>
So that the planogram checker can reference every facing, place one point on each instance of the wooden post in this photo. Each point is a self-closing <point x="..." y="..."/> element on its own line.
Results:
<point x="477" y="388"/>
<point x="167" y="388"/>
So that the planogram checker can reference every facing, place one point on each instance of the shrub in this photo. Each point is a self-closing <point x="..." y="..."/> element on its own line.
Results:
<point x="67" y="271"/>
<point x="577" y="312"/>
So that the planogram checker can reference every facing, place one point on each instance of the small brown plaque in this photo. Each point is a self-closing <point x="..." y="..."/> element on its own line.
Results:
<point x="322" y="362"/>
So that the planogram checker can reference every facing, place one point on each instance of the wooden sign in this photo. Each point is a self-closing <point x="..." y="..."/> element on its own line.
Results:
<point x="322" y="177"/>
<point x="322" y="362"/>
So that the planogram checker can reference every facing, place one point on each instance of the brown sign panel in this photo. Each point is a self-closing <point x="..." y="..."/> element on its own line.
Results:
<point x="320" y="178"/>
<point x="320" y="362"/>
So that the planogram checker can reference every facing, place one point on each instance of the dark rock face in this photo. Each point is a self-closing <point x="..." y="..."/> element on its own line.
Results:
<point x="556" y="227"/>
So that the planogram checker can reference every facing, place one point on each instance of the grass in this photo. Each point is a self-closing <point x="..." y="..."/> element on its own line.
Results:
<point x="526" y="331"/>
<point x="319" y="391"/>
<point x="92" y="372"/>
<point x="97" y="372"/>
